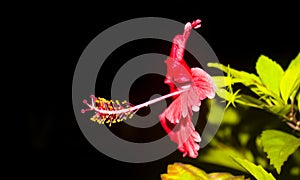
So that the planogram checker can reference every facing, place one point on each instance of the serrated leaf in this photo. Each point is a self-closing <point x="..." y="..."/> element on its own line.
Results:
<point x="290" y="81"/>
<point x="178" y="171"/>
<point x="279" y="146"/>
<point x="270" y="73"/>
<point x="256" y="170"/>
<point x="248" y="79"/>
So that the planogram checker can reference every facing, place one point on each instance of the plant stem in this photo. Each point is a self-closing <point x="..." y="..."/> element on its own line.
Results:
<point x="293" y="122"/>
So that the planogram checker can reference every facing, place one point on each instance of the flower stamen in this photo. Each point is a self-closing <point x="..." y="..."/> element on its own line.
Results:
<point x="108" y="111"/>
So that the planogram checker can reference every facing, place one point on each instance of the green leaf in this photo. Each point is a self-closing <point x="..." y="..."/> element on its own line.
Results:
<point x="290" y="81"/>
<point x="223" y="81"/>
<point x="178" y="171"/>
<point x="224" y="176"/>
<point x="257" y="171"/>
<point x="223" y="93"/>
<point x="250" y="101"/>
<point x="281" y="110"/>
<point x="279" y="146"/>
<point x="294" y="62"/>
<point x="243" y="99"/>
<point x="221" y="155"/>
<point x="246" y="78"/>
<point x="228" y="96"/>
<point x="270" y="73"/>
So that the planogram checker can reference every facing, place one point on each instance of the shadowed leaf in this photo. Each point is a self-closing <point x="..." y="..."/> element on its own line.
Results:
<point x="221" y="155"/>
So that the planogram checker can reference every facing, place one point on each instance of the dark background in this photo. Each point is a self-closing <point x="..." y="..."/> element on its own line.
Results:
<point x="46" y="41"/>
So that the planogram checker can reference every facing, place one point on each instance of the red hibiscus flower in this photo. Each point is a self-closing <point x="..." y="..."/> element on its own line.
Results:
<point x="196" y="85"/>
<point x="188" y="87"/>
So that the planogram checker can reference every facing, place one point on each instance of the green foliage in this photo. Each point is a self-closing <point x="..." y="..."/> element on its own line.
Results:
<point x="290" y="81"/>
<point x="295" y="171"/>
<point x="270" y="73"/>
<point x="220" y="154"/>
<point x="224" y="176"/>
<point x="240" y="76"/>
<point x="231" y="117"/>
<point x="273" y="87"/>
<point x="257" y="171"/>
<point x="248" y="79"/>
<point x="279" y="146"/>
<point x="222" y="81"/>
<point x="244" y="138"/>
<point x="216" y="113"/>
<point x="179" y="171"/>
<point x="273" y="90"/>
<point x="224" y="145"/>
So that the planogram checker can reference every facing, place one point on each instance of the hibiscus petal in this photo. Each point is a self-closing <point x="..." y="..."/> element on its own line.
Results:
<point x="193" y="149"/>
<point x="193" y="99"/>
<point x="203" y="83"/>
<point x="178" y="72"/>
<point x="176" y="119"/>
<point x="196" y="146"/>
<point x="196" y="136"/>
<point x="184" y="104"/>
<point x="173" y="113"/>
<point x="183" y="134"/>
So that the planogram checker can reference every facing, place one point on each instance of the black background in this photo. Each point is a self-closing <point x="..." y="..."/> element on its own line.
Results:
<point x="45" y="42"/>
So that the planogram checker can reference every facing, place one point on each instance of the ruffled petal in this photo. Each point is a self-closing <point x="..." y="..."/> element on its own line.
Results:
<point x="184" y="134"/>
<point x="176" y="119"/>
<point x="173" y="113"/>
<point x="183" y="106"/>
<point x="203" y="83"/>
